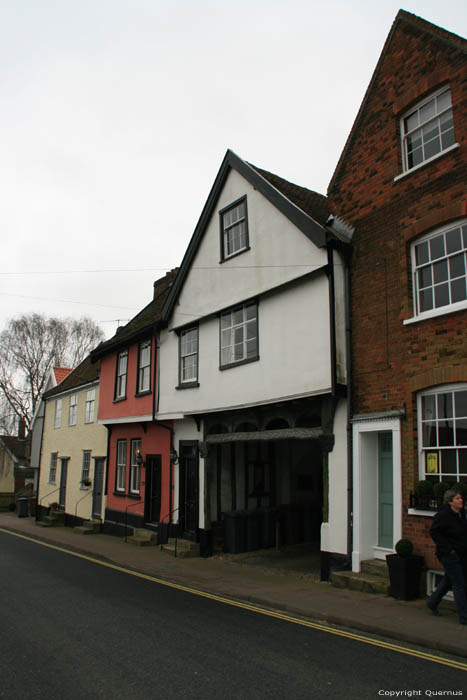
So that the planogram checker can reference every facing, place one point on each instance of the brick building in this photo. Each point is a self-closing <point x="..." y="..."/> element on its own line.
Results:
<point x="400" y="182"/>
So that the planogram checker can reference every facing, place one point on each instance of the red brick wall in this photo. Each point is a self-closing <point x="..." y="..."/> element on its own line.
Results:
<point x="392" y="361"/>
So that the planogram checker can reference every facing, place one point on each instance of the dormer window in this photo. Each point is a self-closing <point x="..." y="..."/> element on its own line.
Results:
<point x="427" y="130"/>
<point x="234" y="229"/>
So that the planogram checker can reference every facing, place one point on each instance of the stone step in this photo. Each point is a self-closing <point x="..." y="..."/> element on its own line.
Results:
<point x="88" y="527"/>
<point x="360" y="582"/>
<point x="143" y="538"/>
<point x="375" y="567"/>
<point x="181" y="550"/>
<point x="43" y="523"/>
<point x="184" y="544"/>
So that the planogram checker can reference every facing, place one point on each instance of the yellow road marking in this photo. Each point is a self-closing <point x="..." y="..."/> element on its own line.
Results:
<point x="253" y="608"/>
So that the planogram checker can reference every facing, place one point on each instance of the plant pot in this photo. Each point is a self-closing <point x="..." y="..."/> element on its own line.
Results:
<point x="404" y="575"/>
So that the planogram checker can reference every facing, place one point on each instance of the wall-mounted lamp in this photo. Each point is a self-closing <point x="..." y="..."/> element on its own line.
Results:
<point x="139" y="459"/>
<point x="173" y="455"/>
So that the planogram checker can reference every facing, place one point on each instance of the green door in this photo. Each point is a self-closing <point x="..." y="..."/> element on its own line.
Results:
<point x="385" y="491"/>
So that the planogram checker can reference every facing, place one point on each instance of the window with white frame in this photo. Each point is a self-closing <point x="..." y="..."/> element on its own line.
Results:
<point x="144" y="366"/>
<point x="234" y="229"/>
<point x="72" y="409"/>
<point x="86" y="466"/>
<point x="58" y="413"/>
<point x="427" y="129"/>
<point x="442" y="433"/>
<point x="122" y="368"/>
<point x="120" y="472"/>
<point x="53" y="467"/>
<point x="135" y="466"/>
<point x="189" y="355"/>
<point x="89" y="406"/>
<point x="239" y="334"/>
<point x="439" y="263"/>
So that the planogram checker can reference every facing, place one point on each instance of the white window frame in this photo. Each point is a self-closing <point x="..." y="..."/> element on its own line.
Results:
<point x="53" y="467"/>
<point x="73" y="409"/>
<point x="122" y="373"/>
<point x="189" y="343"/>
<point x="453" y="277"/>
<point x="234" y="229"/>
<point x="58" y="413"/>
<point x="231" y="327"/>
<point x="120" y="472"/>
<point x="86" y="467"/>
<point x="144" y="367"/>
<point x="434" y="121"/>
<point x="89" y="406"/>
<point x="135" y="469"/>
<point x="445" y="389"/>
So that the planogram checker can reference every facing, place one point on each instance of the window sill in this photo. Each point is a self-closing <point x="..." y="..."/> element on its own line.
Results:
<point x="425" y="513"/>
<point x="234" y="255"/>
<point x="84" y="488"/>
<point x="135" y="496"/>
<point x="143" y="393"/>
<point x="240" y="362"/>
<point x="434" y="313"/>
<point x="188" y="385"/>
<point x="121" y="398"/>
<point x="426" y="162"/>
<point x="120" y="494"/>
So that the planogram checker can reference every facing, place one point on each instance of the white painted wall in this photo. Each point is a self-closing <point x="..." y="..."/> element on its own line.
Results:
<point x="294" y="350"/>
<point x="187" y="430"/>
<point x="340" y="291"/>
<point x="334" y="532"/>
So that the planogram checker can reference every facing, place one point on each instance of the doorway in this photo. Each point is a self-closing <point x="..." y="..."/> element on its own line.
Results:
<point x="63" y="478"/>
<point x="99" y="463"/>
<point x="189" y="489"/>
<point x="152" y="494"/>
<point x="385" y="491"/>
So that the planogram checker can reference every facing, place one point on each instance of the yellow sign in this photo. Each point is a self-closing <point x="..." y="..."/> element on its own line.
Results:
<point x="432" y="462"/>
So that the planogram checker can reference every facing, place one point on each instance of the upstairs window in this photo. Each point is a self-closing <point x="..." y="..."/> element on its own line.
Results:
<point x="58" y="413"/>
<point x="53" y="467"/>
<point x="89" y="407"/>
<point x="85" y="469"/>
<point x="144" y="366"/>
<point x="234" y="229"/>
<point x="189" y="356"/>
<point x="135" y="466"/>
<point x="122" y="369"/>
<point x="120" y="472"/>
<point x="439" y="263"/>
<point x="428" y="129"/>
<point x="442" y="433"/>
<point x="72" y="409"/>
<point x="239" y="335"/>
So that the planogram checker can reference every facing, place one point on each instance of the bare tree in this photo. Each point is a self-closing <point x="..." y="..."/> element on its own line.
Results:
<point x="29" y="347"/>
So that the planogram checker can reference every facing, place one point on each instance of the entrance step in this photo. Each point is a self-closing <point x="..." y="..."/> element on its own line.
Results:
<point x="89" y="527"/>
<point x="181" y="548"/>
<point x="373" y="578"/>
<point x="51" y="520"/>
<point x="143" y="538"/>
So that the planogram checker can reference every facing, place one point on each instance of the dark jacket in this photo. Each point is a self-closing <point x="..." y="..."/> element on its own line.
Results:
<point x="449" y="532"/>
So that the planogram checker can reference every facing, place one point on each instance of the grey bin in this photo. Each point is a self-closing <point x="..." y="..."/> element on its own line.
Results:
<point x="23" y="507"/>
<point x="235" y="536"/>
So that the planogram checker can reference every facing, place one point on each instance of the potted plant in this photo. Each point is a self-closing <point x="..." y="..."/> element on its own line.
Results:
<point x="405" y="570"/>
<point x="424" y="493"/>
<point x="86" y="482"/>
<point x="54" y="507"/>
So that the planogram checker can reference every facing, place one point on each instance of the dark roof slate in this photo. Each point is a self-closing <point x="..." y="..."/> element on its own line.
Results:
<point x="142" y="323"/>
<point x="84" y="373"/>
<point x="19" y="447"/>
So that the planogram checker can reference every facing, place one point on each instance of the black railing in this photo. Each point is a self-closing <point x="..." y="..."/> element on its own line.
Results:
<point x="168" y="515"/>
<point x="132" y="505"/>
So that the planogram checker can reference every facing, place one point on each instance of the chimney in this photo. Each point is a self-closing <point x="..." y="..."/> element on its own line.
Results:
<point x="22" y="428"/>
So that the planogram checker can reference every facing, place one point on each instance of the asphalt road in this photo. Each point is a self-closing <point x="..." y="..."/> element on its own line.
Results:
<point x="72" y="629"/>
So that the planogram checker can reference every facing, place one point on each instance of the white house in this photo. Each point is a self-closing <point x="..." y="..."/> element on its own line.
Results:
<point x="253" y="368"/>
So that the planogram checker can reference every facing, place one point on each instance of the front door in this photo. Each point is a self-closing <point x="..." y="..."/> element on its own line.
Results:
<point x="63" y="476"/>
<point x="385" y="491"/>
<point x="189" y="489"/>
<point x="152" y="497"/>
<point x="99" y="463"/>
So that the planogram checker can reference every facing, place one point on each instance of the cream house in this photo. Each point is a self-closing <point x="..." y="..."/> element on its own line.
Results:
<point x="74" y="447"/>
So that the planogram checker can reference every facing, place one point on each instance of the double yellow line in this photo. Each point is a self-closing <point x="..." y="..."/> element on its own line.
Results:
<point x="254" y="608"/>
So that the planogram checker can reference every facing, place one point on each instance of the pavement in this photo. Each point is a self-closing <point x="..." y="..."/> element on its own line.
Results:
<point x="289" y="587"/>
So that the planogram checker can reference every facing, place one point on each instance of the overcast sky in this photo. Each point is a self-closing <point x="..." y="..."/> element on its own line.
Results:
<point x="115" y="116"/>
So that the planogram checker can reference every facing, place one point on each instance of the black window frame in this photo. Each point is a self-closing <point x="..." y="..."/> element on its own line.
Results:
<point x="192" y="382"/>
<point x="222" y="213"/>
<point x="231" y="310"/>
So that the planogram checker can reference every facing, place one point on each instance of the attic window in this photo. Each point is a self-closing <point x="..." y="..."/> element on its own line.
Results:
<point x="234" y="229"/>
<point x="427" y="130"/>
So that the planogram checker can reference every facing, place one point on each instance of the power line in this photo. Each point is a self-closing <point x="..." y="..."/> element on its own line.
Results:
<point x="156" y="269"/>
<point x="68" y="301"/>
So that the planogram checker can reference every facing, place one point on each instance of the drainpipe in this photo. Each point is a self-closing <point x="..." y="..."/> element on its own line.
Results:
<point x="332" y="320"/>
<point x="348" y="354"/>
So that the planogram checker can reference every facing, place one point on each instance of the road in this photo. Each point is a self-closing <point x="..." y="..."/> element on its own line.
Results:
<point x="73" y="629"/>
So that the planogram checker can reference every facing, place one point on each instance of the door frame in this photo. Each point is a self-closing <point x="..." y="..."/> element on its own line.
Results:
<point x="94" y="485"/>
<point x="365" y="485"/>
<point x="148" y="485"/>
<point x="63" y="478"/>
<point x="183" y="532"/>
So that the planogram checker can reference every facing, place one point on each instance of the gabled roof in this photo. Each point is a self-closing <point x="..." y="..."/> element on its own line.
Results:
<point x="304" y="208"/>
<point x="84" y="373"/>
<point x="17" y="447"/>
<point x="143" y="323"/>
<point x="452" y="40"/>
<point x="61" y="372"/>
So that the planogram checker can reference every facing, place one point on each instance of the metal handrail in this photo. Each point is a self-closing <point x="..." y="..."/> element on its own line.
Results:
<point x="132" y="505"/>
<point x="78" y="502"/>
<point x="169" y="515"/>
<point x="48" y="494"/>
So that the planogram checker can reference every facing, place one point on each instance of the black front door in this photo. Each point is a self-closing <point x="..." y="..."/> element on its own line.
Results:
<point x="63" y="475"/>
<point x="99" y="463"/>
<point x="189" y="488"/>
<point x="152" y="494"/>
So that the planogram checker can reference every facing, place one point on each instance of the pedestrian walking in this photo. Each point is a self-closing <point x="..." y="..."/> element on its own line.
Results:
<point x="449" y="532"/>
